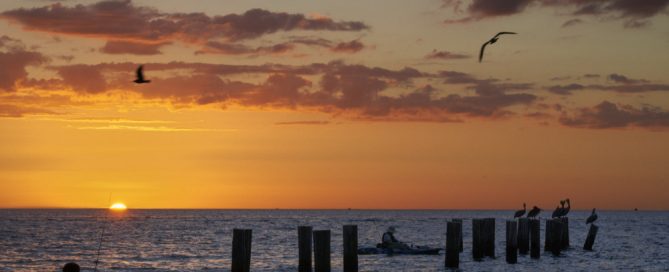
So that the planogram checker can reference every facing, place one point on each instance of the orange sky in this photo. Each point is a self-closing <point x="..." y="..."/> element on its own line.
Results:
<point x="254" y="104"/>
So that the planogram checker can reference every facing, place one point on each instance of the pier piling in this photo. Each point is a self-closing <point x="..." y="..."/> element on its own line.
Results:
<point x="556" y="237"/>
<point x="511" y="242"/>
<point x="535" y="238"/>
<point x="304" y="240"/>
<point x="350" y="236"/>
<point x="489" y="228"/>
<point x="523" y="236"/>
<point x="565" y="232"/>
<point x="590" y="240"/>
<point x="322" y="250"/>
<point x="241" y="250"/>
<point x="477" y="241"/>
<point x="453" y="239"/>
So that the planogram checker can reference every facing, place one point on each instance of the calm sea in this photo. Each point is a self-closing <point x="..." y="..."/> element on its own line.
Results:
<point x="196" y="240"/>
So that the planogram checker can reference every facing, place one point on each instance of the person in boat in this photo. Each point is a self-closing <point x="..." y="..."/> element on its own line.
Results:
<point x="389" y="241"/>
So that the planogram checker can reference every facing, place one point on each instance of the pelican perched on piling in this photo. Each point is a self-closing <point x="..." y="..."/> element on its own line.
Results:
<point x="565" y="210"/>
<point x="592" y="217"/>
<point x="520" y="213"/>
<point x="557" y="211"/>
<point x="533" y="212"/>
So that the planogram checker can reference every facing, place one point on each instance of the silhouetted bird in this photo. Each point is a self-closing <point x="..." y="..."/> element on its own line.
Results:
<point x="565" y="211"/>
<point x="557" y="211"/>
<point x="591" y="218"/>
<point x="140" y="76"/>
<point x="534" y="212"/>
<point x="520" y="213"/>
<point x="491" y="41"/>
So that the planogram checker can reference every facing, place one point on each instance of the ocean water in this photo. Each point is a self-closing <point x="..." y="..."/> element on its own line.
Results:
<point x="201" y="240"/>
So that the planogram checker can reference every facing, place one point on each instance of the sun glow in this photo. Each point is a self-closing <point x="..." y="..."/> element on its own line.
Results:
<point x="118" y="207"/>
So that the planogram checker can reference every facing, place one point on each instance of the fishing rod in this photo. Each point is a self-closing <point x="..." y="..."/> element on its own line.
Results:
<point x="102" y="234"/>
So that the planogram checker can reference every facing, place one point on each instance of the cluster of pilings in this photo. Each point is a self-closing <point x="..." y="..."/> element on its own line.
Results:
<point x="522" y="237"/>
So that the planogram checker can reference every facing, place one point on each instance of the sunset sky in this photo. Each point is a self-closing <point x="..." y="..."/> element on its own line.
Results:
<point x="334" y="104"/>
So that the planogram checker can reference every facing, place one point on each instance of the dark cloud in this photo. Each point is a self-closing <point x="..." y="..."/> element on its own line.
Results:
<point x="634" y="12"/>
<point x="14" y="58"/>
<point x="122" y="21"/>
<point x="241" y="49"/>
<point x="288" y="123"/>
<point x="572" y="22"/>
<point x="445" y="55"/>
<point x="609" y="115"/>
<point x="618" y="78"/>
<point x="124" y="47"/>
<point x="348" y="47"/>
<point x="565" y="89"/>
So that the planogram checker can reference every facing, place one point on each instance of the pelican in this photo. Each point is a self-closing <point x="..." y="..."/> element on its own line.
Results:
<point x="558" y="211"/>
<point x="565" y="211"/>
<point x="140" y="76"/>
<point x="491" y="41"/>
<point x="592" y="217"/>
<point x="533" y="212"/>
<point x="520" y="213"/>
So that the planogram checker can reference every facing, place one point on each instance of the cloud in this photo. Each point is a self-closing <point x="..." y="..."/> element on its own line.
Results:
<point x="565" y="89"/>
<point x="14" y="59"/>
<point x="617" y="78"/>
<point x="336" y="88"/>
<point x="137" y="29"/>
<point x="241" y="49"/>
<point x="288" y="123"/>
<point x="572" y="22"/>
<point x="634" y="12"/>
<point x="9" y="110"/>
<point x="445" y="55"/>
<point x="124" y="47"/>
<point x="348" y="47"/>
<point x="609" y="115"/>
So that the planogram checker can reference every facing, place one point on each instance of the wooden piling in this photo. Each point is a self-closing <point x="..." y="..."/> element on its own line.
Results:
<point x="462" y="247"/>
<point x="535" y="238"/>
<point x="241" y="250"/>
<point x="477" y="241"/>
<point x="556" y="237"/>
<point x="523" y="236"/>
<point x="590" y="240"/>
<point x="565" y="232"/>
<point x="453" y="234"/>
<point x="350" y="236"/>
<point x="547" y="235"/>
<point x="489" y="249"/>
<point x="304" y="240"/>
<point x="322" y="251"/>
<point x="511" y="242"/>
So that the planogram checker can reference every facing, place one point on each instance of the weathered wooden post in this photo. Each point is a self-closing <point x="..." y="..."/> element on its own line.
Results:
<point x="590" y="240"/>
<point x="511" y="242"/>
<point x="322" y="251"/>
<point x="477" y="241"/>
<point x="241" y="250"/>
<point x="556" y="237"/>
<point x="462" y="246"/>
<point x="523" y="236"/>
<point x="535" y="239"/>
<point x="565" y="232"/>
<point x="490" y="237"/>
<point x="304" y="239"/>
<point x="453" y="234"/>
<point x="350" y="248"/>
<point x="547" y="235"/>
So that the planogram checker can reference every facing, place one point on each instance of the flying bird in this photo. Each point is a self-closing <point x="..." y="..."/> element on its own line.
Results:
<point x="534" y="212"/>
<point x="591" y="218"/>
<point x="140" y="76"/>
<point x="520" y="213"/>
<point x="491" y="41"/>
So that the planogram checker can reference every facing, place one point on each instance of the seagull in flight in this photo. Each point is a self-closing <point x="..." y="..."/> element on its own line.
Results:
<point x="140" y="76"/>
<point x="491" y="41"/>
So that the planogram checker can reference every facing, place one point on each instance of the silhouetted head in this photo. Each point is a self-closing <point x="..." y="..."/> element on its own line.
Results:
<point x="562" y="202"/>
<point x="391" y="230"/>
<point x="593" y="210"/>
<point x="71" y="267"/>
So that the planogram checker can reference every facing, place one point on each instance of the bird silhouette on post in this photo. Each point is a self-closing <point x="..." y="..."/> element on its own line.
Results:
<point x="520" y="213"/>
<point x="533" y="212"/>
<point x="592" y="217"/>
<point x="565" y="210"/>
<point x="140" y="76"/>
<point x="492" y="41"/>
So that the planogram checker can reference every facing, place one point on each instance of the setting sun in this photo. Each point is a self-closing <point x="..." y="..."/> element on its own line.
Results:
<point x="118" y="207"/>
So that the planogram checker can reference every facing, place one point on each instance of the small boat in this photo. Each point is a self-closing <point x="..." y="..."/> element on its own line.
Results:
<point x="413" y="250"/>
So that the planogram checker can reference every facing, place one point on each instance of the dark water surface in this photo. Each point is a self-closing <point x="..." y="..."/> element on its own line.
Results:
<point x="196" y="240"/>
